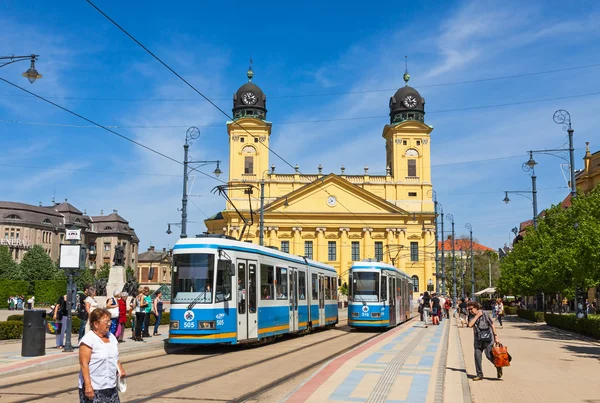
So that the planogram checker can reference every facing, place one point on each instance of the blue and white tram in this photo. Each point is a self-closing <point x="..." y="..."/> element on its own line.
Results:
<point x="227" y="291"/>
<point x="380" y="295"/>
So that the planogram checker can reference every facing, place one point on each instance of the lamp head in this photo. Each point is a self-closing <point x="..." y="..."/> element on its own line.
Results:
<point x="217" y="171"/>
<point x="506" y="199"/>
<point x="32" y="74"/>
<point x="531" y="163"/>
<point x="169" y="229"/>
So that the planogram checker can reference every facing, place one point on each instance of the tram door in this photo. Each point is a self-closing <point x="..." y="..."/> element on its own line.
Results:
<point x="247" y="326"/>
<point x="392" y="299"/>
<point x="293" y="293"/>
<point x="321" y="300"/>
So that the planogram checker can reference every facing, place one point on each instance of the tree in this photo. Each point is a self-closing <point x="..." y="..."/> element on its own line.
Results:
<point x="83" y="278"/>
<point x="37" y="265"/>
<point x="103" y="272"/>
<point x="8" y="267"/>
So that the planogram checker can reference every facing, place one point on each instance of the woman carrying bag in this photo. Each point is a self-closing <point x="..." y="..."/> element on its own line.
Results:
<point x="140" y="314"/>
<point x="60" y="316"/>
<point x="484" y="337"/>
<point x="113" y="307"/>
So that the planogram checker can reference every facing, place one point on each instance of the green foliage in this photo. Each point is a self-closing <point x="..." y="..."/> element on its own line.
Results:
<point x="531" y="315"/>
<point x="11" y="330"/>
<point x="83" y="278"/>
<point x="589" y="327"/>
<point x="510" y="310"/>
<point x="48" y="291"/>
<point x="15" y="317"/>
<point x="103" y="272"/>
<point x="343" y="289"/>
<point x="562" y="254"/>
<point x="11" y="287"/>
<point x="8" y="267"/>
<point x="37" y="265"/>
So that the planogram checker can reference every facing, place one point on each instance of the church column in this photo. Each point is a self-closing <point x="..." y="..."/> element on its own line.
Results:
<point x="368" y="246"/>
<point x="297" y="247"/>
<point x="401" y="240"/>
<point x="273" y="236"/>
<point x="321" y="246"/>
<point x="343" y="250"/>
<point x="392" y="248"/>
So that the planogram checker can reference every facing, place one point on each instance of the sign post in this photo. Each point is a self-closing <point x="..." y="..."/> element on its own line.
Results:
<point x="72" y="258"/>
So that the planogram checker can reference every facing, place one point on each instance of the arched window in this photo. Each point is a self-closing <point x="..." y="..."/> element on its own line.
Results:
<point x="77" y="220"/>
<point x="108" y="228"/>
<point x="46" y="221"/>
<point x="412" y="154"/>
<point x="248" y="153"/>
<point x="415" y="281"/>
<point x="13" y="217"/>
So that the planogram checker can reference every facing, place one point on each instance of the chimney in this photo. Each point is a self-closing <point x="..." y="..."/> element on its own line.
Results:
<point x="115" y="211"/>
<point x="151" y="248"/>
<point x="40" y="204"/>
<point x="65" y="199"/>
<point x="101" y="212"/>
<point x="164" y="250"/>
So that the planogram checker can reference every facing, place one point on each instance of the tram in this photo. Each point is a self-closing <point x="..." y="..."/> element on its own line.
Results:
<point x="380" y="295"/>
<point x="228" y="291"/>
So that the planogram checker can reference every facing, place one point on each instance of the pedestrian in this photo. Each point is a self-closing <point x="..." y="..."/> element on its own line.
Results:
<point x="11" y="303"/>
<point x="99" y="361"/>
<point x="113" y="307"/>
<point x="148" y="311"/>
<point x="426" y="306"/>
<point x="436" y="309"/>
<point x="157" y="309"/>
<point x="90" y="305"/>
<point x="499" y="311"/>
<point x="420" y="306"/>
<point x="122" y="316"/>
<point x="484" y="337"/>
<point x="82" y="313"/>
<point x="442" y="305"/>
<point x="133" y="306"/>
<point x="140" y="314"/>
<point x="60" y="314"/>
<point x="462" y="312"/>
<point x="447" y="306"/>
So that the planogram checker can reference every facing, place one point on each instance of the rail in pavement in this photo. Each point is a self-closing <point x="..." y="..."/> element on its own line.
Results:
<point x="402" y="365"/>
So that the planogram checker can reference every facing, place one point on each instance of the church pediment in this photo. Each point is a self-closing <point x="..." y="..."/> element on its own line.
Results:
<point x="333" y="195"/>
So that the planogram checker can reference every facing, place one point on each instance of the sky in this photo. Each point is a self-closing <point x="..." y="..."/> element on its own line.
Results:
<point x="492" y="73"/>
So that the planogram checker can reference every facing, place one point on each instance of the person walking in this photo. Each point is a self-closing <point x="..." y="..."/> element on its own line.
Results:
<point x="484" y="337"/>
<point x="436" y="309"/>
<point x="122" y="316"/>
<point x="140" y="314"/>
<point x="420" y="306"/>
<point x="157" y="310"/>
<point x="426" y="306"/>
<point x="500" y="311"/>
<point x="90" y="305"/>
<point x="462" y="312"/>
<point x="99" y="361"/>
<point x="113" y="307"/>
<point x="148" y="311"/>
<point x="59" y="315"/>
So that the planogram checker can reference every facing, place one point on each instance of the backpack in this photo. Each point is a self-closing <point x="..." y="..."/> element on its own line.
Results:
<point x="448" y="304"/>
<point x="483" y="331"/>
<point x="81" y="312"/>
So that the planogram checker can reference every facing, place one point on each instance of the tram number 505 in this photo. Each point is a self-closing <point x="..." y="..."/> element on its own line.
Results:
<point x="220" y="322"/>
<point x="188" y="325"/>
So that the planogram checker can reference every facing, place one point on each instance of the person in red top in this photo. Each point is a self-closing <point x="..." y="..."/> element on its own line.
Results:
<point x="122" y="316"/>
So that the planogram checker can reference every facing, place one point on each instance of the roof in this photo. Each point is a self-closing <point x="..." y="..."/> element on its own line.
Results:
<point x="153" y="256"/>
<point x="65" y="207"/>
<point x="113" y="217"/>
<point x="464" y="244"/>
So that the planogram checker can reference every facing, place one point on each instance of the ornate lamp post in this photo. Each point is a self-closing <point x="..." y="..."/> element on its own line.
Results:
<point x="431" y="193"/>
<point x="525" y="193"/>
<point x="443" y="276"/>
<point x="31" y="74"/>
<point x="453" y="263"/>
<point x="470" y="228"/>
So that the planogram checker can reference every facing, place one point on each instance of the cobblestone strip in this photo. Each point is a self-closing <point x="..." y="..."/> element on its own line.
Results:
<point x="463" y="377"/>
<point x="385" y="382"/>
<point x="441" y="370"/>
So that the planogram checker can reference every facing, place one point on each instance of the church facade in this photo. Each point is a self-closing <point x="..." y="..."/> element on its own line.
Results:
<point x="335" y="218"/>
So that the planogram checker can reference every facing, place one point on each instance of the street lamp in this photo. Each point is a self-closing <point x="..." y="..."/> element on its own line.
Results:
<point x="430" y="285"/>
<point x="470" y="228"/>
<point x="443" y="278"/>
<point x="261" y="229"/>
<point x="431" y="193"/>
<point x="525" y="193"/>
<point x="453" y="263"/>
<point x="31" y="74"/>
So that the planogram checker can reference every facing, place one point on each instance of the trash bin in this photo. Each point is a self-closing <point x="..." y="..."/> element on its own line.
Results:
<point x="34" y="333"/>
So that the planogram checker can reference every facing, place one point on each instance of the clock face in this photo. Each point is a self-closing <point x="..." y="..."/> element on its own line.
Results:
<point x="249" y="98"/>
<point x="410" y="101"/>
<point x="331" y="201"/>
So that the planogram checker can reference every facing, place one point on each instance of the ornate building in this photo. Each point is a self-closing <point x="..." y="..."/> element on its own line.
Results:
<point x="336" y="218"/>
<point x="25" y="225"/>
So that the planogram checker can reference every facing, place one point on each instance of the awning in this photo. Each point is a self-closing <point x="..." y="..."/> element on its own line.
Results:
<point x="491" y="290"/>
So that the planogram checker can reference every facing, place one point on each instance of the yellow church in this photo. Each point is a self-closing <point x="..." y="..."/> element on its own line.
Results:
<point x="335" y="218"/>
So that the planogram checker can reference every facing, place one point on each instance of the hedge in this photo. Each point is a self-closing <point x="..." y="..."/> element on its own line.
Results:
<point x="11" y="330"/>
<point x="12" y="287"/>
<point x="48" y="291"/>
<point x="510" y="310"/>
<point x="15" y="317"/>
<point x="531" y="315"/>
<point x="588" y="327"/>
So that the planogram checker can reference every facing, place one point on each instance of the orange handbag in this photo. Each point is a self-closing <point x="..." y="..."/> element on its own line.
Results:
<point x="501" y="356"/>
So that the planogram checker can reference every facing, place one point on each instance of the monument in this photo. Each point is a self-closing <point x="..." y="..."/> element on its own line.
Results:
<point x="116" y="278"/>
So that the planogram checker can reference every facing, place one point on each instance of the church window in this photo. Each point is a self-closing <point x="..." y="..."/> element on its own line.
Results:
<point x="414" y="251"/>
<point x="77" y="220"/>
<point x="331" y="251"/>
<point x="248" y="165"/>
<point x="404" y="142"/>
<point x="285" y="246"/>
<point x="379" y="251"/>
<point x="418" y="142"/>
<point x="355" y="251"/>
<point x="412" y="167"/>
<point x="308" y="249"/>
<point x="411" y="152"/>
<point x="412" y="194"/>
<point x="242" y="139"/>
<point x="415" y="281"/>
<point x="256" y="139"/>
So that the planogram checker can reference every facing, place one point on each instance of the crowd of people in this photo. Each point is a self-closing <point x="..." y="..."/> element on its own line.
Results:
<point x="18" y="302"/>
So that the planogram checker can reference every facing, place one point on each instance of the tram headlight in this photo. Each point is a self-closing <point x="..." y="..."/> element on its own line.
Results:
<point x="206" y="324"/>
<point x="355" y="314"/>
<point x="174" y="324"/>
<point x="375" y="315"/>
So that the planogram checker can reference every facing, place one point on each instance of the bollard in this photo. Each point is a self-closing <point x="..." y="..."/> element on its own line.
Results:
<point x="34" y="333"/>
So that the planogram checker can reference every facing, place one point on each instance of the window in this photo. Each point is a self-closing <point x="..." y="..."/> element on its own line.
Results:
<point x="248" y="165"/>
<point x="418" y="142"/>
<point x="77" y="220"/>
<point x="315" y="287"/>
<point x="242" y="139"/>
<point x="256" y="139"/>
<point x="106" y="246"/>
<point x="223" y="288"/>
<point x="266" y="282"/>
<point x="108" y="228"/>
<point x="331" y="251"/>
<point x="46" y="221"/>
<point x="308" y="249"/>
<point x="285" y="246"/>
<point x="282" y="283"/>
<point x="301" y="285"/>
<point x="365" y="286"/>
<point x="414" y="251"/>
<point x="18" y="234"/>
<point x="404" y="142"/>
<point x="241" y="288"/>
<point x="378" y="251"/>
<point x="151" y="274"/>
<point x="13" y="217"/>
<point x="327" y="287"/>
<point x="412" y="167"/>
<point x="6" y="234"/>
<point x="383" y="288"/>
<point x="415" y="281"/>
<point x="355" y="251"/>
<point x="412" y="194"/>
<point x="334" y="288"/>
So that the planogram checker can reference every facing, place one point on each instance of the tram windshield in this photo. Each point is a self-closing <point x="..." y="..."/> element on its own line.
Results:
<point x="193" y="275"/>
<point x="365" y="287"/>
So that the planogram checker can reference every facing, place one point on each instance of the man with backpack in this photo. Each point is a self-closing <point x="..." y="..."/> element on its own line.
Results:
<point x="484" y="337"/>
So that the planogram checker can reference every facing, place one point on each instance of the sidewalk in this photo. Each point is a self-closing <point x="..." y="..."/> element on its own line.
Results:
<point x="549" y="365"/>
<point x="405" y="364"/>
<point x="11" y="362"/>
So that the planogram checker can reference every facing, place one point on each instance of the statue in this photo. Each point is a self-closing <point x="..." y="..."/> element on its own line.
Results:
<point x="119" y="258"/>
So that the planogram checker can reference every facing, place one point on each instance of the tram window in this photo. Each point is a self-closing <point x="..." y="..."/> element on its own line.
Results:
<point x="383" y="288"/>
<point x="241" y="288"/>
<point x="301" y="285"/>
<point x="194" y="277"/>
<point x="315" y="286"/>
<point x="251" y="288"/>
<point x="282" y="283"/>
<point x="223" y="288"/>
<point x="266" y="282"/>
<point x="334" y="288"/>
<point x="365" y="286"/>
<point x="327" y="288"/>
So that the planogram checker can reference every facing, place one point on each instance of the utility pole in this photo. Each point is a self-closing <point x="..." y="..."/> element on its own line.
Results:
<point x="490" y="269"/>
<point x="186" y="148"/>
<point x="454" y="293"/>
<point x="470" y="228"/>
<point x="443" y="264"/>
<point x="261" y="235"/>
<point x="437" y="258"/>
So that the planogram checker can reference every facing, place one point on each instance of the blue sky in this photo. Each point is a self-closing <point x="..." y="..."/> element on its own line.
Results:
<point x="337" y="63"/>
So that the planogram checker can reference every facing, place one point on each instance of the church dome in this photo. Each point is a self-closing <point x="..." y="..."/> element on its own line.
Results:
<point x="249" y="100"/>
<point x="407" y="104"/>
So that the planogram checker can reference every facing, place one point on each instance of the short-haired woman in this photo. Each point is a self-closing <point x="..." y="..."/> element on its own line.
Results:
<point x="99" y="361"/>
<point x="480" y="321"/>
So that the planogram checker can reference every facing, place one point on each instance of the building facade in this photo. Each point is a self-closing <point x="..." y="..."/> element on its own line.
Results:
<point x="25" y="225"/>
<point x="335" y="218"/>
<point x="154" y="267"/>
<point x="589" y="177"/>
